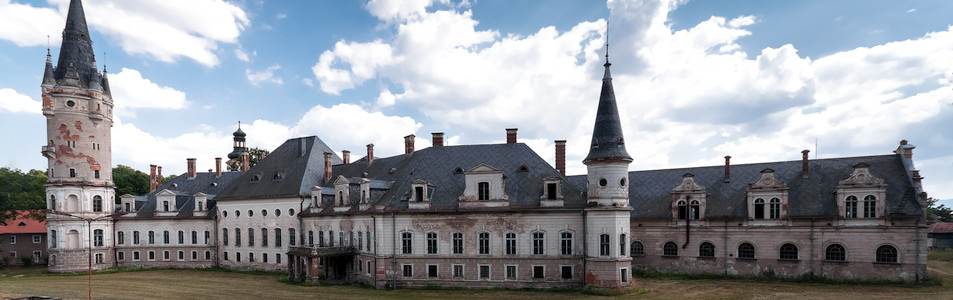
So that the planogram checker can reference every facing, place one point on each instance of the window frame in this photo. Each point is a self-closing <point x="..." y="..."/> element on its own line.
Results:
<point x="743" y="253"/>
<point x="788" y="251"/>
<point x="835" y="253"/>
<point x="706" y="249"/>
<point x="670" y="249"/>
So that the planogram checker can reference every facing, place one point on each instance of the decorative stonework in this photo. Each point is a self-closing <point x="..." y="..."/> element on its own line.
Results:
<point x="768" y="181"/>
<point x="688" y="184"/>
<point x="861" y="177"/>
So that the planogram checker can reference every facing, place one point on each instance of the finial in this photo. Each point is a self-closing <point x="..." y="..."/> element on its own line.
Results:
<point x="239" y="124"/>
<point x="607" y="42"/>
<point x="104" y="62"/>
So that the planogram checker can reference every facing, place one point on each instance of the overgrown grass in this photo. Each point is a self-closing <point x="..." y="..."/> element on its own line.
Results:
<point x="940" y="255"/>
<point x="770" y="276"/>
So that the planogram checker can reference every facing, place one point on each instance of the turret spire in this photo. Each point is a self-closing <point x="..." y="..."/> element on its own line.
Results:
<point x="76" y="51"/>
<point x="607" y="140"/>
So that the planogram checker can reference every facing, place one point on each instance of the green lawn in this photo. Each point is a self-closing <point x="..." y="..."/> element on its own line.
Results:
<point x="212" y="284"/>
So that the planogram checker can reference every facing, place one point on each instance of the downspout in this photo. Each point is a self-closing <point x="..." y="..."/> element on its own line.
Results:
<point x="115" y="250"/>
<point x="688" y="233"/>
<point x="917" y="251"/>
<point x="585" y="247"/>
<point x="811" y="270"/>
<point x="374" y="219"/>
<point x="725" y="247"/>
<point x="215" y="231"/>
<point x="393" y="243"/>
<point x="301" y="240"/>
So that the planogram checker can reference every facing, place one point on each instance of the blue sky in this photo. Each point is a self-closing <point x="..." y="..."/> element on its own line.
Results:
<point x="697" y="80"/>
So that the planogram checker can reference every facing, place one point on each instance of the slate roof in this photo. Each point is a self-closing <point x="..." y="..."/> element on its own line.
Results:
<point x="441" y="168"/>
<point x="21" y="217"/>
<point x="185" y="190"/>
<point x="607" y="139"/>
<point x="76" y="52"/>
<point x="300" y="161"/>
<point x="941" y="227"/>
<point x="650" y="191"/>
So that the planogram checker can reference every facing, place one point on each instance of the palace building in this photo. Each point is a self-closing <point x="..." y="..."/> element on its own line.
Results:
<point x="492" y="215"/>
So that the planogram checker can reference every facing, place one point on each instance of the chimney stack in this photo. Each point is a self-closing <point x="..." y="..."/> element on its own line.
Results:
<point x="191" y="167"/>
<point x="152" y="178"/>
<point x="409" y="144"/>
<point x="804" y="162"/>
<point x="511" y="135"/>
<point x="346" y="155"/>
<point x="159" y="177"/>
<point x="727" y="168"/>
<point x="561" y="156"/>
<point x="327" y="167"/>
<point x="370" y="153"/>
<point x="246" y="162"/>
<point x="438" y="139"/>
<point x="218" y="167"/>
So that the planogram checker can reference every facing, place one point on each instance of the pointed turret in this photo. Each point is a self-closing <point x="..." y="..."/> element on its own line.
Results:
<point x="48" y="73"/>
<point x="76" y="51"/>
<point x="607" y="140"/>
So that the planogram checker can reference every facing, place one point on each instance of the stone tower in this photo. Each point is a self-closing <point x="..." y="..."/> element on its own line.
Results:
<point x="607" y="215"/>
<point x="80" y="193"/>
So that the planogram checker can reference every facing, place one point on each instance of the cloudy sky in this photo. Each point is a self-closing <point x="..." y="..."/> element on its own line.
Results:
<point x="696" y="80"/>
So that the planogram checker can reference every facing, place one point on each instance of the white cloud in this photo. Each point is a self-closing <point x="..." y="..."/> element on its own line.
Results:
<point x="242" y="55"/>
<point x="166" y="30"/>
<point x="132" y="92"/>
<point x="266" y="75"/>
<point x="911" y="10"/>
<point x="308" y="82"/>
<point x="26" y="25"/>
<point x="394" y="10"/>
<point x="356" y="128"/>
<point x="12" y="101"/>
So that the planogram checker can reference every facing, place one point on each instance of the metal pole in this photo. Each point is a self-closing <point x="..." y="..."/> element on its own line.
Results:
<point x="89" y="229"/>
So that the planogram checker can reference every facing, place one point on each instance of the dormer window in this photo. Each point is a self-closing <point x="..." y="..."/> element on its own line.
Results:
<point x="255" y="178"/>
<point x="694" y="210"/>
<point x="278" y="176"/>
<point x="767" y="187"/>
<point x="165" y="205"/>
<point x="551" y="190"/>
<point x="870" y="206"/>
<point x="775" y="208"/>
<point x="483" y="190"/>
<point x="420" y="194"/>
<point x="341" y="191"/>
<point x="200" y="206"/>
<point x="340" y="198"/>
<point x="688" y="199"/>
<point x="759" y="208"/>
<point x="682" y="210"/>
<point x="861" y="185"/>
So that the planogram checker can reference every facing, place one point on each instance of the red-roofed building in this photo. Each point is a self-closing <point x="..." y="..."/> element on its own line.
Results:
<point x="22" y="236"/>
<point x="941" y="235"/>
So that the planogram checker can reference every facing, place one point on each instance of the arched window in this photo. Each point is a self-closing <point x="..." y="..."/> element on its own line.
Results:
<point x="539" y="243"/>
<point x="291" y="237"/>
<point x="97" y="203"/>
<point x="406" y="243"/>
<point x="682" y="210"/>
<point x="251" y="213"/>
<point x="330" y="238"/>
<point x="484" y="243"/>
<point x="706" y="249"/>
<point x="360" y="241"/>
<point x="566" y="243"/>
<point x="695" y="210"/>
<point x="311" y="237"/>
<point x="431" y="242"/>
<point x="775" y="208"/>
<point x="850" y="207"/>
<point x="835" y="252"/>
<point x="181" y="237"/>
<point x="746" y="250"/>
<point x="52" y="202"/>
<point x="787" y="251"/>
<point x="251" y="237"/>
<point x="224" y="236"/>
<point x="870" y="206"/>
<point x="277" y="237"/>
<point x="264" y="237"/>
<point x="637" y="249"/>
<point x="238" y="237"/>
<point x="511" y="243"/>
<point x="52" y="238"/>
<point x="340" y="198"/>
<point x="887" y="254"/>
<point x="759" y="208"/>
<point x="363" y="196"/>
<point x="165" y="237"/>
<point x="604" y="244"/>
<point x="670" y="249"/>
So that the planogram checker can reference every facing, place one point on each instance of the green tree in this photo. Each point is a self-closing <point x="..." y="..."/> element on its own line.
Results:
<point x="130" y="181"/>
<point x="254" y="155"/>
<point x="21" y="191"/>
<point x="938" y="213"/>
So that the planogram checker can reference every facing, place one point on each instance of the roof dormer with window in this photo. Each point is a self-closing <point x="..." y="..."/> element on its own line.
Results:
<point x="200" y="202"/>
<point x="419" y="195"/>
<point x="315" y="201"/>
<point x="767" y="199"/>
<point x="365" y="200"/>
<point x="552" y="192"/>
<point x="484" y="188"/>
<point x="165" y="203"/>
<point x="688" y="200"/>
<point x="342" y="194"/>
<point x="862" y="195"/>
<point x="127" y="204"/>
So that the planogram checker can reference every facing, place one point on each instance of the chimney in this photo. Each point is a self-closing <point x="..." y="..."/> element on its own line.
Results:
<point x="804" y="162"/>
<point x="191" y="167"/>
<point x="370" y="153"/>
<point x="152" y="178"/>
<point x="905" y="150"/>
<point x="561" y="156"/>
<point x="218" y="167"/>
<point x="159" y="176"/>
<point x="346" y="155"/>
<point x="511" y="135"/>
<point x="409" y="144"/>
<point x="438" y="139"/>
<point x="246" y="162"/>
<point x="727" y="168"/>
<point x="327" y="167"/>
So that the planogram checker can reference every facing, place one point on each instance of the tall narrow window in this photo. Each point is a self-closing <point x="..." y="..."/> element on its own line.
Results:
<point x="431" y="243"/>
<point x="457" y="243"/>
<point x="311" y="237"/>
<point x="695" y="210"/>
<point x="407" y="243"/>
<point x="870" y="206"/>
<point x="166" y="239"/>
<point x="484" y="243"/>
<point x="320" y="238"/>
<point x="207" y="237"/>
<point x="251" y="237"/>
<point x="539" y="243"/>
<point x="360" y="241"/>
<point x="622" y="244"/>
<point x="850" y="207"/>
<point x="181" y="237"/>
<point x="291" y="236"/>
<point x="551" y="191"/>
<point x="98" y="237"/>
<point x="604" y="244"/>
<point x="135" y="237"/>
<point x="340" y="198"/>
<point x="52" y="238"/>
<point x="152" y="237"/>
<point x="682" y="209"/>
<point x="53" y="202"/>
<point x="120" y="238"/>
<point x="96" y="174"/>
<point x="97" y="203"/>
<point x="238" y="237"/>
<point x="165" y="205"/>
<point x="419" y="194"/>
<point x="330" y="238"/>
<point x="510" y="243"/>
<point x="759" y="208"/>
<point x="565" y="244"/>
<point x="224" y="236"/>
<point x="277" y="237"/>
<point x="775" y="208"/>
<point x="72" y="172"/>
<point x="195" y="237"/>
<point x="483" y="191"/>
<point x="369" y="242"/>
<point x="264" y="237"/>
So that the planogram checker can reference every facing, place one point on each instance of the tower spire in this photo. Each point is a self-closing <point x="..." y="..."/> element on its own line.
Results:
<point x="76" y="50"/>
<point x="607" y="140"/>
